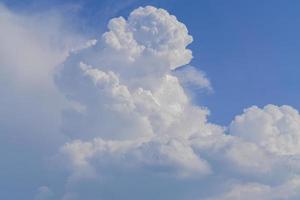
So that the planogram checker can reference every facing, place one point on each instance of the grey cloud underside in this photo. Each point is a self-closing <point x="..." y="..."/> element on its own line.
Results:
<point x="130" y="131"/>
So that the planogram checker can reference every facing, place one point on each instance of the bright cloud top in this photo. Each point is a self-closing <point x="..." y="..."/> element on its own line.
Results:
<point x="150" y="32"/>
<point x="132" y="132"/>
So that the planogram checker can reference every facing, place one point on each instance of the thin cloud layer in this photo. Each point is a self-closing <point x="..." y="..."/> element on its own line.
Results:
<point x="129" y="129"/>
<point x="31" y="45"/>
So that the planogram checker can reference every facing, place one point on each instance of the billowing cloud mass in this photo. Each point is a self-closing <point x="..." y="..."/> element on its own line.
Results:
<point x="131" y="131"/>
<point x="274" y="128"/>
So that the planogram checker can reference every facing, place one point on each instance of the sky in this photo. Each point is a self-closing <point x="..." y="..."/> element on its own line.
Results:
<point x="251" y="45"/>
<point x="132" y="99"/>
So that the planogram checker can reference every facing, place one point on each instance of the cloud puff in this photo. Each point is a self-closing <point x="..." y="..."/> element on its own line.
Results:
<point x="151" y="33"/>
<point x="192" y="78"/>
<point x="274" y="128"/>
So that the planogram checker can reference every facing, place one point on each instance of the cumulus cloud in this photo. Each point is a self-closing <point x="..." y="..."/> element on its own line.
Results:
<point x="150" y="33"/>
<point x="129" y="129"/>
<point x="142" y="112"/>
<point x="138" y="120"/>
<point x="274" y="128"/>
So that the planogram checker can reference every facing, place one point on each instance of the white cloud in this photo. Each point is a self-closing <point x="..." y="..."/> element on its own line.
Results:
<point x="165" y="156"/>
<point x="141" y="112"/>
<point x="151" y="33"/>
<point x="277" y="129"/>
<point x="138" y="119"/>
<point x="192" y="78"/>
<point x="136" y="115"/>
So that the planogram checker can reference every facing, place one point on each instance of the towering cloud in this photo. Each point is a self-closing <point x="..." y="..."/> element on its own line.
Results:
<point x="134" y="109"/>
<point x="134" y="126"/>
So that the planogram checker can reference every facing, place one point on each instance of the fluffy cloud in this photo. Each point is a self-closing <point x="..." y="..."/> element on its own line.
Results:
<point x="274" y="128"/>
<point x="130" y="105"/>
<point x="150" y="33"/>
<point x="128" y="128"/>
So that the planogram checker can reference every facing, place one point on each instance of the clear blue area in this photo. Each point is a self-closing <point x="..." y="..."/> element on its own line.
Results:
<point x="249" y="49"/>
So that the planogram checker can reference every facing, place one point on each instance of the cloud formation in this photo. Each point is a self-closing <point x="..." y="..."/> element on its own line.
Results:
<point x="129" y="129"/>
<point x="138" y="120"/>
<point x="274" y="128"/>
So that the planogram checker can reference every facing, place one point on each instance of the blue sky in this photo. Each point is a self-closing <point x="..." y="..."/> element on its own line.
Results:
<point x="248" y="49"/>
